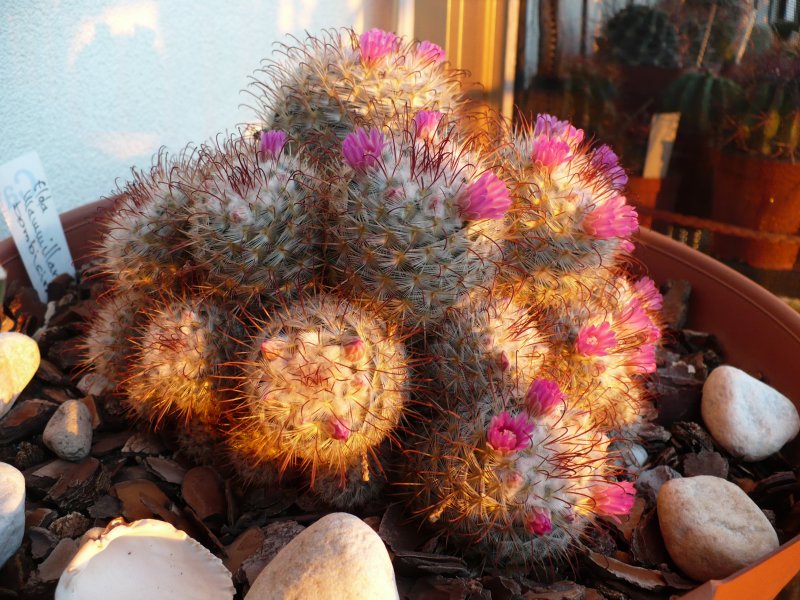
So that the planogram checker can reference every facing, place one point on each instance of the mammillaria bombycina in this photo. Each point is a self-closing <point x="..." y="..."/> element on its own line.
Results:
<point x="284" y="298"/>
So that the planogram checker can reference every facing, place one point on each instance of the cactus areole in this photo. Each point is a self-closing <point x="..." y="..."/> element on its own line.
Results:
<point x="363" y="294"/>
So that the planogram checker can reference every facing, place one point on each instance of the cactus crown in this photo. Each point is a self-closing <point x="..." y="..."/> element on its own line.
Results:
<point x="705" y="101"/>
<point x="641" y="36"/>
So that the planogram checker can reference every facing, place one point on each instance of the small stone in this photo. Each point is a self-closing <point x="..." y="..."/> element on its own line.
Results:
<point x="711" y="527"/>
<point x="19" y="360"/>
<point x="69" y="432"/>
<point x="748" y="418"/>
<point x="339" y="556"/>
<point x="12" y="511"/>
<point x="94" y="384"/>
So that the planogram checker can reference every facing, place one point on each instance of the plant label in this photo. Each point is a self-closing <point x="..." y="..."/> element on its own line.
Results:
<point x="663" y="130"/>
<point x="27" y="204"/>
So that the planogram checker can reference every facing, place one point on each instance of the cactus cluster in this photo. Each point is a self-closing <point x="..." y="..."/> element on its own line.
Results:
<point x="641" y="36"/>
<point x="768" y="123"/>
<point x="362" y="295"/>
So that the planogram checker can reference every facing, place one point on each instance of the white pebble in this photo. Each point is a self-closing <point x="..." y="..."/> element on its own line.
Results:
<point x="338" y="557"/>
<point x="711" y="528"/>
<point x="19" y="361"/>
<point x="748" y="418"/>
<point x="12" y="511"/>
<point x="69" y="431"/>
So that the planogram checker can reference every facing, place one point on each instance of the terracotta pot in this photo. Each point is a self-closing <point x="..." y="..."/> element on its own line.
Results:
<point x="757" y="332"/>
<point x="762" y="195"/>
<point x="648" y="194"/>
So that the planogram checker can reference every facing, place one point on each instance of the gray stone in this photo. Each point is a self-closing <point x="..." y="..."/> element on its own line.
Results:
<point x="711" y="528"/>
<point x="748" y="418"/>
<point x="19" y="361"/>
<point x="69" y="432"/>
<point x="339" y="556"/>
<point x="12" y="511"/>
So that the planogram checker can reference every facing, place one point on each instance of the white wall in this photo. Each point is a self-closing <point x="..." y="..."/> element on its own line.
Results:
<point x="97" y="86"/>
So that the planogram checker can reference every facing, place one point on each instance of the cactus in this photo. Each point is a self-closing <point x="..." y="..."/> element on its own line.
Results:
<point x="254" y="224"/>
<point x="704" y="100"/>
<point x="322" y="385"/>
<point x="641" y="36"/>
<point x="327" y="87"/>
<point x="421" y="224"/>
<point x="513" y="478"/>
<point x="285" y="298"/>
<point x="179" y="353"/>
<point x="569" y="220"/>
<point x="768" y="126"/>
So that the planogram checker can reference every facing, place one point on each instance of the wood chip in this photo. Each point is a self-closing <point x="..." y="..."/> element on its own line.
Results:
<point x="644" y="578"/>
<point x="131" y="494"/>
<point x="80" y="485"/>
<point x="26" y="418"/>
<point x="166" y="469"/>
<point x="202" y="490"/>
<point x="243" y="547"/>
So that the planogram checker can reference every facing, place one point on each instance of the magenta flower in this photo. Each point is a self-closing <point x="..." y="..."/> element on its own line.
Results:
<point x="354" y="349"/>
<point x="426" y="123"/>
<point x="594" y="340"/>
<point x="430" y="51"/>
<point x="612" y="218"/>
<point x="339" y="431"/>
<point x="605" y="160"/>
<point x="506" y="435"/>
<point x="636" y="321"/>
<point x="361" y="149"/>
<point x="543" y="395"/>
<point x="375" y="44"/>
<point x="549" y="126"/>
<point x="270" y="143"/>
<point x="611" y="499"/>
<point x="486" y="198"/>
<point x="643" y="359"/>
<point x="539" y="521"/>
<point x="549" y="152"/>
<point x="627" y="246"/>
<point x="646" y="290"/>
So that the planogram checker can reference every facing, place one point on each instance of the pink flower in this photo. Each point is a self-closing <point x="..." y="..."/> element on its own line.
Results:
<point x="543" y="395"/>
<point x="487" y="198"/>
<point x="361" y="150"/>
<point x="636" y="321"/>
<point x="354" y="349"/>
<point x="506" y="435"/>
<point x="549" y="126"/>
<point x="610" y="219"/>
<point x="627" y="246"/>
<point x="612" y="499"/>
<point x="539" y="521"/>
<point x="270" y="143"/>
<point x="430" y="51"/>
<point x="605" y="160"/>
<point x="550" y="152"/>
<point x="594" y="340"/>
<point x="339" y="431"/>
<point x="375" y="44"/>
<point x="646" y="290"/>
<point x="643" y="359"/>
<point x="426" y="123"/>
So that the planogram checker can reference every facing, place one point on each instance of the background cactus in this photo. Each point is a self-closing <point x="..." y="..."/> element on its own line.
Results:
<point x="363" y="254"/>
<point x="704" y="100"/>
<point x="641" y="36"/>
<point x="769" y="123"/>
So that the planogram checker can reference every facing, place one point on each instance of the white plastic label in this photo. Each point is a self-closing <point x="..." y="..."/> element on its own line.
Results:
<point x="27" y="205"/>
<point x="663" y="131"/>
